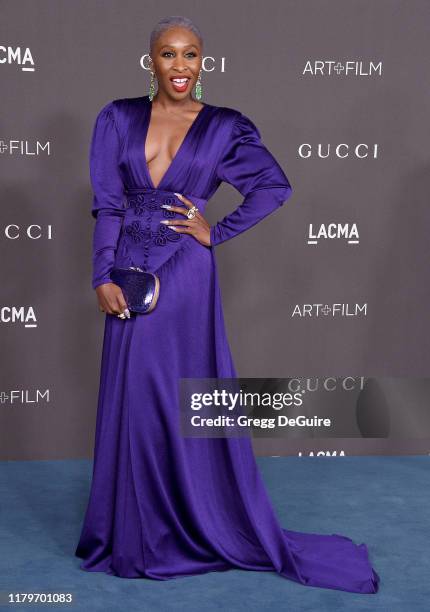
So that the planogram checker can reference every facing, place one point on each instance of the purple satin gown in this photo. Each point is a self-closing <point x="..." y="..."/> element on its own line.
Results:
<point x="161" y="505"/>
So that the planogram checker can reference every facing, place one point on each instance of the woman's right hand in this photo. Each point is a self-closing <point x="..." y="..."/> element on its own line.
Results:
<point x="111" y="299"/>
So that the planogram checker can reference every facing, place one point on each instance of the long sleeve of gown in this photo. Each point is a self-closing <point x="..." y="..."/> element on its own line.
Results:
<point x="250" y="167"/>
<point x="108" y="189"/>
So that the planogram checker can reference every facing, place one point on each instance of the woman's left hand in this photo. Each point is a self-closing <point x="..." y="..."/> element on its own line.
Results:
<point x="197" y="226"/>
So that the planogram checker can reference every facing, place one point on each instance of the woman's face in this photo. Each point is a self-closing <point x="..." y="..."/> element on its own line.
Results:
<point x="176" y="60"/>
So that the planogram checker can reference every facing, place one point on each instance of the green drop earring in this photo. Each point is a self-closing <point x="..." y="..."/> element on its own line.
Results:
<point x="199" y="86"/>
<point x="152" y="82"/>
<point x="152" y="86"/>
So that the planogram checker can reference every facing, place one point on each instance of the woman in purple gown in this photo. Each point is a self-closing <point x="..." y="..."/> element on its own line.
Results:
<point x="162" y="505"/>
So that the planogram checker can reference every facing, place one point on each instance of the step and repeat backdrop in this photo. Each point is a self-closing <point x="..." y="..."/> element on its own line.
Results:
<point x="328" y="296"/>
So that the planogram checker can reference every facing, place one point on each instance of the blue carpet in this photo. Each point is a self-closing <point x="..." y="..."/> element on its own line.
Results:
<point x="382" y="501"/>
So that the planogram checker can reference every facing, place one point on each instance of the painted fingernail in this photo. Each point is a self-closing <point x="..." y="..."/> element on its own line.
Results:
<point x="127" y="313"/>
<point x="164" y="221"/>
<point x="165" y="206"/>
<point x="178" y="194"/>
<point x="172" y="227"/>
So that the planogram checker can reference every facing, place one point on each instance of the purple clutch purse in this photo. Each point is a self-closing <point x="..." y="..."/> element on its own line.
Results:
<point x="140" y="288"/>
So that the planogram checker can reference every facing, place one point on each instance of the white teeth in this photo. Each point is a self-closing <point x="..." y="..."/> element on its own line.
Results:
<point x="179" y="80"/>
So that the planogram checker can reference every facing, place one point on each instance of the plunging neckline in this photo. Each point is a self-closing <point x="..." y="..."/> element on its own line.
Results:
<point x="178" y="151"/>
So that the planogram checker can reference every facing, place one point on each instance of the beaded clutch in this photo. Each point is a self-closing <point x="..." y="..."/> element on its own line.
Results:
<point x="140" y="288"/>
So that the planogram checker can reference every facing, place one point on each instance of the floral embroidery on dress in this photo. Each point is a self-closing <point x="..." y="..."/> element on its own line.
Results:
<point x="138" y="209"/>
<point x="168" y="213"/>
<point x="164" y="235"/>
<point x="139" y="230"/>
<point x="160" y="237"/>
<point x="135" y="231"/>
<point x="139" y="204"/>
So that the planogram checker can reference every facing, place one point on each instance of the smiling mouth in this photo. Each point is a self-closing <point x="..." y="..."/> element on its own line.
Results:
<point x="179" y="79"/>
<point x="180" y="83"/>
